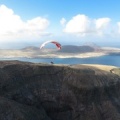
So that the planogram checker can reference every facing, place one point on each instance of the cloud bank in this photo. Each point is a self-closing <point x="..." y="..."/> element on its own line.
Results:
<point x="83" y="25"/>
<point x="13" y="27"/>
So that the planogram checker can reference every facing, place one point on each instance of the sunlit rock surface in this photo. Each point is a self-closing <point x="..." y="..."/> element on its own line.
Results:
<point x="30" y="91"/>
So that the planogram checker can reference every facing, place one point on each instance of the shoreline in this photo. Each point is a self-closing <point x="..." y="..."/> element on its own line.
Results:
<point x="19" y="54"/>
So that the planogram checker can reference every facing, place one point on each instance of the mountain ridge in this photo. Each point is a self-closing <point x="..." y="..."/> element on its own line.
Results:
<point x="66" y="49"/>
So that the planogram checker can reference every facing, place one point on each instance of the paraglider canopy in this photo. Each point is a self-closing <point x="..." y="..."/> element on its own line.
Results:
<point x="58" y="45"/>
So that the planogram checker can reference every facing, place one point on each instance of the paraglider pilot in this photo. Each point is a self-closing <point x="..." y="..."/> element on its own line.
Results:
<point x="51" y="62"/>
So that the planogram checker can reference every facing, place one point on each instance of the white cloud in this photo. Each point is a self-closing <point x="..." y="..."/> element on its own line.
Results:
<point x="102" y="25"/>
<point x="12" y="26"/>
<point x="83" y="25"/>
<point x="9" y="22"/>
<point x="78" y="24"/>
<point x="37" y="24"/>
<point x="62" y="21"/>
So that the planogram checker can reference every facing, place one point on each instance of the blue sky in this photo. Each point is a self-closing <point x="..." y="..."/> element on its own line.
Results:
<point x="67" y="21"/>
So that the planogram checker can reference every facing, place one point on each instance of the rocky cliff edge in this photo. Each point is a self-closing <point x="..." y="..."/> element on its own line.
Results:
<point x="30" y="91"/>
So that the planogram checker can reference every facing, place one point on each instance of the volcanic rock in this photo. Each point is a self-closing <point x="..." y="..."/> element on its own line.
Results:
<point x="36" y="91"/>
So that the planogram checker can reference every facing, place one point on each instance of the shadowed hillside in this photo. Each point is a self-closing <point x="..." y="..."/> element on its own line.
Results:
<point x="57" y="92"/>
<point x="76" y="49"/>
<point x="29" y="48"/>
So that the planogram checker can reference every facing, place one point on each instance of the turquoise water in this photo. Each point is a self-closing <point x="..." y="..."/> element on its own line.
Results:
<point x="105" y="60"/>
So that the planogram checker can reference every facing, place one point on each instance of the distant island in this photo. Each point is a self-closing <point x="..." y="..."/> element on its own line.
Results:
<point x="67" y="51"/>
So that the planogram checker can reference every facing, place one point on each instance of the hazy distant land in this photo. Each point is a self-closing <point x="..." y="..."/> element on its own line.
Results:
<point x="67" y="51"/>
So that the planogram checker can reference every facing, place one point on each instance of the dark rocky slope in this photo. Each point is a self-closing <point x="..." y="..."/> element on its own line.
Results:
<point x="57" y="92"/>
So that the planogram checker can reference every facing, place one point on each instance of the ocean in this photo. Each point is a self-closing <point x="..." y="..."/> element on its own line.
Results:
<point x="113" y="60"/>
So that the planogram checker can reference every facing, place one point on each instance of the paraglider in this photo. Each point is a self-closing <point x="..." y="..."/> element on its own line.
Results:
<point x="58" y="45"/>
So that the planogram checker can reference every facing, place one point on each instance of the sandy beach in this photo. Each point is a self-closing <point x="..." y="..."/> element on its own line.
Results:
<point x="18" y="53"/>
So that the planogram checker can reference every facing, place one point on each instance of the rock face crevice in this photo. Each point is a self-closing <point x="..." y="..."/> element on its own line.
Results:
<point x="30" y="91"/>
